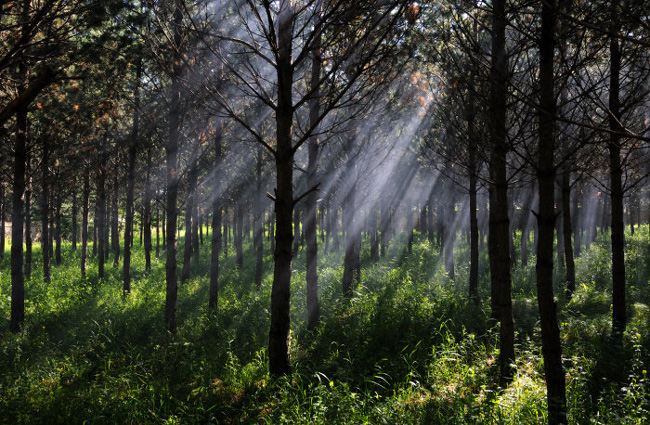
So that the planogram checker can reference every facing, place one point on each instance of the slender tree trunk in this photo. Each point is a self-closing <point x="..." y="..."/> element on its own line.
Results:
<point x="296" y="230"/>
<point x="187" y="251"/>
<point x="551" y="343"/>
<point x="473" y="220"/>
<point x="57" y="227"/>
<point x="619" y="319"/>
<point x="450" y="235"/>
<point x="259" y="220"/>
<point x="17" y="222"/>
<point x="115" y="225"/>
<point x="311" y="206"/>
<point x="85" y="197"/>
<point x="409" y="229"/>
<point x="238" y="237"/>
<point x="577" y="221"/>
<point x="129" y="208"/>
<point x="157" y="231"/>
<point x="524" y="224"/>
<point x="281" y="289"/>
<point x="100" y="222"/>
<point x="499" y="223"/>
<point x="173" y="174"/>
<point x="213" y="300"/>
<point x="374" y="236"/>
<point x="73" y="218"/>
<point x="352" y="236"/>
<point x="566" y="227"/>
<point x="164" y="228"/>
<point x="28" y="223"/>
<point x="147" y="214"/>
<point x="95" y="221"/>
<point x="45" y="209"/>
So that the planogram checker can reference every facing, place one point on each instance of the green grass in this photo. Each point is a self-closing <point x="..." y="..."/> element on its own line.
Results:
<point x="408" y="348"/>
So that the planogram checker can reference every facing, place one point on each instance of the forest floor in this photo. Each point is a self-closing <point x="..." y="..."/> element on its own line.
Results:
<point x="407" y="348"/>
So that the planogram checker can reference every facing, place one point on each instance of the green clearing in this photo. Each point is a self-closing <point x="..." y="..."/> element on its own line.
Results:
<point x="408" y="348"/>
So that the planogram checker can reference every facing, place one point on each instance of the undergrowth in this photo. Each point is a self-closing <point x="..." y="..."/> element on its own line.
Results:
<point x="407" y="348"/>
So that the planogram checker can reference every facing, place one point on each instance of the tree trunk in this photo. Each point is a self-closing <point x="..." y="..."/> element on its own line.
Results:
<point x="157" y="231"/>
<point x="73" y="218"/>
<point x="352" y="235"/>
<point x="85" y="197"/>
<point x="171" y="149"/>
<point x="147" y="214"/>
<point x="499" y="223"/>
<point x="566" y="227"/>
<point x="450" y="235"/>
<point x="129" y="208"/>
<point x="45" y="209"/>
<point x="296" y="230"/>
<point x="281" y="290"/>
<point x="551" y="343"/>
<point x="259" y="221"/>
<point x="619" y="319"/>
<point x="238" y="237"/>
<point x="57" y="227"/>
<point x="28" y="223"/>
<point x="189" y="208"/>
<point x="473" y="220"/>
<point x="216" y="232"/>
<point x="577" y="221"/>
<point x="374" y="235"/>
<point x="409" y="228"/>
<point x="17" y="222"/>
<point x="100" y="222"/>
<point x="115" y="224"/>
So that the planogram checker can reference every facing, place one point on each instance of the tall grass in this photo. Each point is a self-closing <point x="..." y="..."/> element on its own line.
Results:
<point x="407" y="348"/>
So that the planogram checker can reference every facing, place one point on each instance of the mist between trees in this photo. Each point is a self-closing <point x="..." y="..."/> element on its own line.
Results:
<point x="517" y="130"/>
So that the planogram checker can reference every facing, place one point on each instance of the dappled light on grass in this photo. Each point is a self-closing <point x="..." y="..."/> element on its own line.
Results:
<point x="408" y="348"/>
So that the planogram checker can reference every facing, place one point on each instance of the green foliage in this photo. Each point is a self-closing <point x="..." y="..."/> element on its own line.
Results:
<point x="408" y="348"/>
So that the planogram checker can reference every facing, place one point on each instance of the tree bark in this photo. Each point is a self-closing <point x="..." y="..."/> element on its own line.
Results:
<point x="619" y="318"/>
<point x="171" y="150"/>
<point x="570" y="276"/>
<point x="85" y="197"/>
<point x="281" y="289"/>
<point x="75" y="224"/>
<point x="238" y="236"/>
<point x="115" y="224"/>
<point x="189" y="208"/>
<point x="499" y="223"/>
<point x="57" y="227"/>
<point x="311" y="205"/>
<point x="551" y="343"/>
<point x="213" y="299"/>
<point x="147" y="214"/>
<point x="100" y="222"/>
<point x="28" y="223"/>
<point x="17" y="222"/>
<point x="45" y="209"/>
<point x="352" y="235"/>
<point x="259" y="221"/>
<point x="473" y="220"/>
<point x="129" y="208"/>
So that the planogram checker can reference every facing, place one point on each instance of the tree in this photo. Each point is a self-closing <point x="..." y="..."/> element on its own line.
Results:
<point x="551" y="344"/>
<point x="499" y="223"/>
